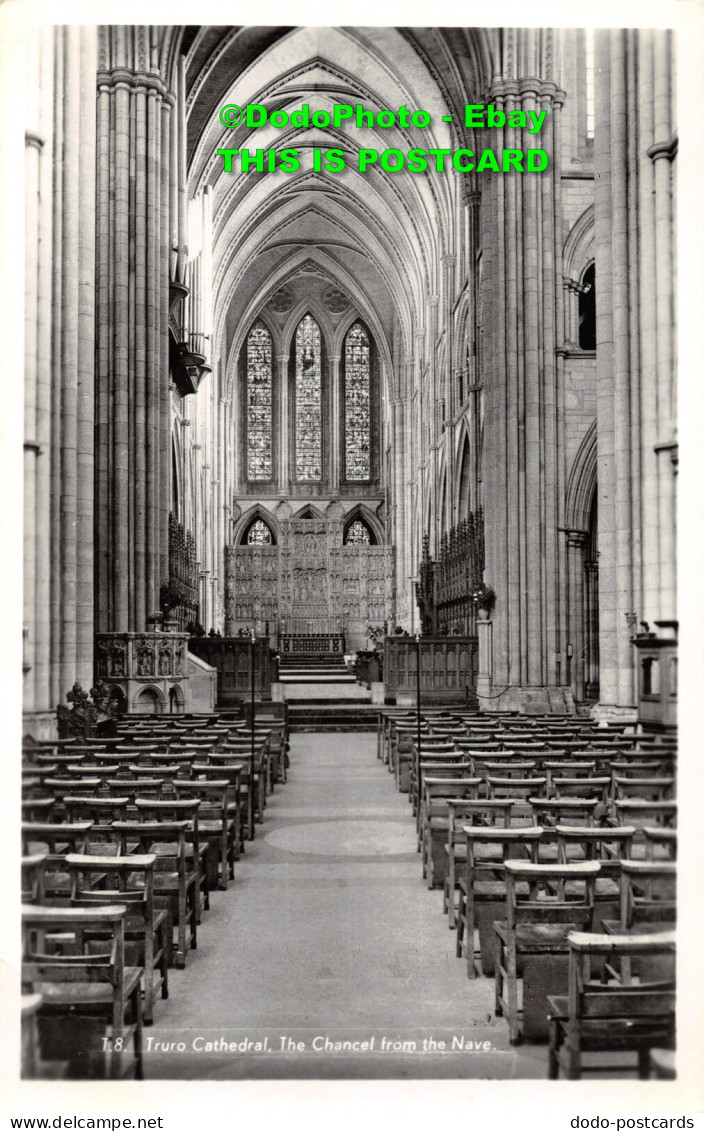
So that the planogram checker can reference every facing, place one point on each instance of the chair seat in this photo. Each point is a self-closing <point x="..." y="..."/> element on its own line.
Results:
<point x="607" y="1032"/>
<point x="169" y="881"/>
<point x="86" y="993"/>
<point x="536" y="936"/>
<point x="134" y="924"/>
<point x="214" y="826"/>
<point x="613" y="927"/>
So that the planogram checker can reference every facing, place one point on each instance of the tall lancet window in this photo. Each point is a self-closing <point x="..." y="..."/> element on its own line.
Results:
<point x="259" y="403"/>
<point x="357" y="404"/>
<point x="308" y="400"/>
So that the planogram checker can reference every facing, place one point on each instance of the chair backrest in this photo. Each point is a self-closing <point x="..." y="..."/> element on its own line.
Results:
<point x="122" y="879"/>
<point x="524" y="788"/>
<point x="212" y="795"/>
<point x="650" y="788"/>
<point x="148" y="833"/>
<point x="100" y="810"/>
<point x="509" y="767"/>
<point x="45" y="929"/>
<point x="623" y="998"/>
<point x="548" y="812"/>
<point x="38" y="808"/>
<point x="33" y="869"/>
<point x="477" y="811"/>
<point x="636" y="811"/>
<point x="660" y="843"/>
<point x="608" y="845"/>
<point x="593" y="786"/>
<point x="547" y="887"/>
<point x="648" y="892"/>
<point x="507" y="843"/>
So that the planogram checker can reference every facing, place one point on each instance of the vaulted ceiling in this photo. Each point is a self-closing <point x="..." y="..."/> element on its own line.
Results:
<point x="379" y="236"/>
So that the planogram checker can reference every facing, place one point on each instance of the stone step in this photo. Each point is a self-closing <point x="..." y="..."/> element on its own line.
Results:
<point x="352" y="715"/>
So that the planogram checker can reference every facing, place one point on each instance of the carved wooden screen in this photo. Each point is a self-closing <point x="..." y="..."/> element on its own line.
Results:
<point x="310" y="582"/>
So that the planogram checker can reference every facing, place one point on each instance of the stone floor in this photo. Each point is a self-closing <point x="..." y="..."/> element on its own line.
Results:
<point x="329" y="935"/>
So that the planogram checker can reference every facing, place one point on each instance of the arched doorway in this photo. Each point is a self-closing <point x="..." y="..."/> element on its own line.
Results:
<point x="582" y="530"/>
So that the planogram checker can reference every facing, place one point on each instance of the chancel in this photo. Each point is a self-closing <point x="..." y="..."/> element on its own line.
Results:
<point x="350" y="502"/>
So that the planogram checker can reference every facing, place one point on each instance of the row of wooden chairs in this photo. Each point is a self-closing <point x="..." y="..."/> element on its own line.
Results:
<point x="116" y="884"/>
<point x="551" y="844"/>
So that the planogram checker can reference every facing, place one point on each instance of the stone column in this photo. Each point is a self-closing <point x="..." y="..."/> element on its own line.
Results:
<point x="63" y="379"/>
<point x="448" y="302"/>
<point x="135" y="195"/>
<point x="484" y="661"/>
<point x="635" y="148"/>
<point x="576" y="610"/>
<point x="522" y="242"/>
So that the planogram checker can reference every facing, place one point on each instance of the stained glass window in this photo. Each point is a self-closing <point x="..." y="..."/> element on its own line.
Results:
<point x="308" y="400"/>
<point x="358" y="534"/>
<point x="259" y="534"/>
<point x="259" y="403"/>
<point x="357" y="402"/>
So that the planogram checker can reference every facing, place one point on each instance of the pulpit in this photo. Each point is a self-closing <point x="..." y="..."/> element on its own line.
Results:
<point x="657" y="676"/>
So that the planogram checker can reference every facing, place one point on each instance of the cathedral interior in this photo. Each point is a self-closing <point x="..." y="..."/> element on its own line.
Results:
<point x="416" y="428"/>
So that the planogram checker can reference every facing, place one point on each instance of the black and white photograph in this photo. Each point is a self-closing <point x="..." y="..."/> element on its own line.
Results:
<point x="347" y="606"/>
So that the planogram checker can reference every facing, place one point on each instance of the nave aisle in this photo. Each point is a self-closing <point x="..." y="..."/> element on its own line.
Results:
<point x="329" y="934"/>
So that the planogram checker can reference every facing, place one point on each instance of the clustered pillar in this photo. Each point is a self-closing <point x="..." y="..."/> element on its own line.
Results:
<point x="637" y="445"/>
<point x="138" y="189"/>
<point x="59" y="344"/>
<point x="521" y="246"/>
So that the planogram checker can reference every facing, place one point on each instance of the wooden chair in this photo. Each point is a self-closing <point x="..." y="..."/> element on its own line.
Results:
<point x="521" y="790"/>
<point x="232" y="772"/>
<point x="54" y="842"/>
<point x="553" y="811"/>
<point x="253" y="779"/>
<point x="644" y="814"/>
<point x="610" y="846"/>
<point x="482" y="888"/>
<point x="175" y="881"/>
<point x="536" y="927"/>
<point x="129" y="880"/>
<point x="462" y="812"/>
<point x="648" y="897"/>
<point x="76" y="984"/>
<point x="616" y="1015"/>
<point x="33" y="868"/>
<point x="102" y="811"/>
<point x="175" y="808"/>
<point x="31" y="1067"/>
<point x="660" y="844"/>
<point x="38" y="808"/>
<point x="434" y="821"/>
<point x="649" y="788"/>
<point x="429" y="750"/>
<point x="216" y="826"/>
<point x="597" y="787"/>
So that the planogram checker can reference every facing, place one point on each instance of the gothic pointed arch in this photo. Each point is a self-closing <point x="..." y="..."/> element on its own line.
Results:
<point x="309" y="512"/>
<point x="259" y="403"/>
<point x="248" y="520"/>
<point x="464" y="478"/>
<point x="362" y="514"/>
<point x="358" y="416"/>
<point x="581" y="483"/>
<point x="309" y="400"/>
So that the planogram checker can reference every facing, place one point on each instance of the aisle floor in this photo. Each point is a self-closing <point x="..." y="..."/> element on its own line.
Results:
<point x="330" y="935"/>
